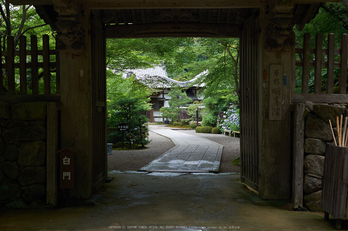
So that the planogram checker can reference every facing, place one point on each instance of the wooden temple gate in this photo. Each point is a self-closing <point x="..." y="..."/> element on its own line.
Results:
<point x="249" y="106"/>
<point x="267" y="68"/>
<point x="312" y="63"/>
<point x="99" y="172"/>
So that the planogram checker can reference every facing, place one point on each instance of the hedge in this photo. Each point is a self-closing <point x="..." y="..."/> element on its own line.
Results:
<point x="204" y="129"/>
<point x="215" y="130"/>
<point x="193" y="125"/>
<point x="177" y="123"/>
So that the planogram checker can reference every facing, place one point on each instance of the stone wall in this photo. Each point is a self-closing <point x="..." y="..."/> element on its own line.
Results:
<point x="317" y="134"/>
<point x="23" y="154"/>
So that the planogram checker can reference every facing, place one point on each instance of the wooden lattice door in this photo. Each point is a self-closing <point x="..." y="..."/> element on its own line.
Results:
<point x="99" y="103"/>
<point x="249" y="106"/>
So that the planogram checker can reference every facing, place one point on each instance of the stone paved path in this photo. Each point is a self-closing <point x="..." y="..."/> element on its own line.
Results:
<point x="190" y="154"/>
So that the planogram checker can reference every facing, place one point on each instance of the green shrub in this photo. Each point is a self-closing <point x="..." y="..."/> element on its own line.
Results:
<point x="177" y="123"/>
<point x="185" y="121"/>
<point x="193" y="125"/>
<point x="205" y="129"/>
<point x="209" y="120"/>
<point x="215" y="130"/>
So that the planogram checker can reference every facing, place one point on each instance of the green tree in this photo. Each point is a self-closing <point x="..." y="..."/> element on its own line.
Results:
<point x="127" y="99"/>
<point x="20" y="20"/>
<point x="325" y="22"/>
<point x="178" y="99"/>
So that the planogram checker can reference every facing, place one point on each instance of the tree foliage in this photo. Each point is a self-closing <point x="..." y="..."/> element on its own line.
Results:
<point x="127" y="99"/>
<point x="326" y="21"/>
<point x="20" y="20"/>
<point x="178" y="99"/>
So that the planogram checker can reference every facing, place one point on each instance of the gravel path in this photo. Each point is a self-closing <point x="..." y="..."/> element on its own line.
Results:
<point x="132" y="160"/>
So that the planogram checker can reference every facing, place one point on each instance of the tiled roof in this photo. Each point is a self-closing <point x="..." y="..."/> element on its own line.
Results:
<point x="157" y="77"/>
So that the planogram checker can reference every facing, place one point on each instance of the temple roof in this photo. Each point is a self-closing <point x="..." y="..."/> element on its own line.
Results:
<point x="157" y="77"/>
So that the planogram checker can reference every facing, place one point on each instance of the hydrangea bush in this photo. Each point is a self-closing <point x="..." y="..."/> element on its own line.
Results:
<point x="230" y="120"/>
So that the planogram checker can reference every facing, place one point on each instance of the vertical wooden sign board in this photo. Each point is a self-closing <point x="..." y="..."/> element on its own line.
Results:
<point x="66" y="170"/>
<point x="275" y="92"/>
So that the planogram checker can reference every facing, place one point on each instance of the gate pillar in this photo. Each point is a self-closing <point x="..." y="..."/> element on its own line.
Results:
<point x="76" y="94"/>
<point x="277" y="68"/>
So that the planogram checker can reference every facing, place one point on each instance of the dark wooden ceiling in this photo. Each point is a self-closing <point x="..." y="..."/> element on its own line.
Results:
<point x="174" y="22"/>
<point x="139" y="23"/>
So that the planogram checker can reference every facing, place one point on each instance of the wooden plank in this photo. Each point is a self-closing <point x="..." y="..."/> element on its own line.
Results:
<point x="106" y="4"/>
<point x="318" y="63"/>
<point x="298" y="156"/>
<point x="305" y="71"/>
<point x="330" y="64"/>
<point x="23" y="61"/>
<point x="29" y="98"/>
<point x="52" y="147"/>
<point x="343" y="68"/>
<point x="275" y="92"/>
<point x="1" y="72"/>
<point x="10" y="65"/>
<point x="164" y="4"/>
<point x="320" y="98"/>
<point x="57" y="73"/>
<point x="34" y="65"/>
<point x="46" y="62"/>
<point x="172" y="30"/>
<point x="39" y="52"/>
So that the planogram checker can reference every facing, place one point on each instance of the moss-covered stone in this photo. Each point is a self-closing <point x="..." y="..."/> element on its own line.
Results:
<point x="9" y="191"/>
<point x="11" y="153"/>
<point x="329" y="112"/>
<point x="314" y="164"/>
<point x="29" y="111"/>
<point x="10" y="169"/>
<point x="313" y="201"/>
<point x="18" y="204"/>
<point x="2" y="147"/>
<point x="317" y="128"/>
<point x="17" y="123"/>
<point x="314" y="146"/>
<point x="30" y="133"/>
<point x="38" y="123"/>
<point x="34" y="192"/>
<point x="32" y="154"/>
<point x="2" y="177"/>
<point x="312" y="183"/>
<point x="32" y="175"/>
<point x="5" y="110"/>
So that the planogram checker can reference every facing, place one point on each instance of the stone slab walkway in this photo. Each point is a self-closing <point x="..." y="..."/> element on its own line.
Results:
<point x="190" y="154"/>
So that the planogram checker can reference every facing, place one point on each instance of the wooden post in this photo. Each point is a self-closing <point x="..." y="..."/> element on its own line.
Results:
<point x="34" y="65"/>
<point x="330" y="64"/>
<point x="23" y="62"/>
<point x="46" y="65"/>
<point x="298" y="156"/>
<point x="275" y="155"/>
<point x="343" y="69"/>
<point x="52" y="147"/>
<point x="305" y="73"/>
<point x="1" y="73"/>
<point x="318" y="63"/>
<point x="57" y="73"/>
<point x="10" y="65"/>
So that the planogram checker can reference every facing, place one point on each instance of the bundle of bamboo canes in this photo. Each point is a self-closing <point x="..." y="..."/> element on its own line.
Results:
<point x="342" y="134"/>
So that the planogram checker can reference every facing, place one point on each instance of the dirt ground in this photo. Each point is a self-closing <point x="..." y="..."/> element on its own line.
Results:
<point x="132" y="160"/>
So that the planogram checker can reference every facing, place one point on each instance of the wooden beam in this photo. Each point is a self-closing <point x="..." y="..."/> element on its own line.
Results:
<point x="320" y="98"/>
<point x="165" y="4"/>
<point x="52" y="147"/>
<point x="153" y="4"/>
<point x="31" y="2"/>
<point x="313" y="1"/>
<point x="172" y="30"/>
<point x="298" y="156"/>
